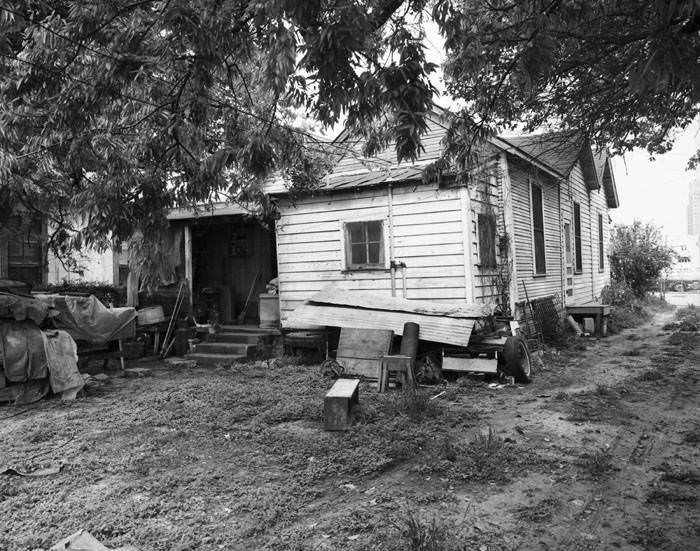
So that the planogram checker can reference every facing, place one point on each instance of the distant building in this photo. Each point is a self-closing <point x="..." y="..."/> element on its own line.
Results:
<point x="694" y="208"/>
<point x="686" y="265"/>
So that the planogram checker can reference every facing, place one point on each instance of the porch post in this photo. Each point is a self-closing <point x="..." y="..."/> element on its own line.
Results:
<point x="188" y="264"/>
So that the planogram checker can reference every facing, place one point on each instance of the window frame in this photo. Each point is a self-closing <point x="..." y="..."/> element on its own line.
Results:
<point x="535" y="267"/>
<point x="578" y="240"/>
<point x="346" y="251"/>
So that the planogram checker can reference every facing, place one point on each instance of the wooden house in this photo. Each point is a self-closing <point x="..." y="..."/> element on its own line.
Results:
<point x="533" y="218"/>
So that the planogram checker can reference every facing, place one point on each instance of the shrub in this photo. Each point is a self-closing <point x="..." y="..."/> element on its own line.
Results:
<point x="105" y="292"/>
<point x="638" y="257"/>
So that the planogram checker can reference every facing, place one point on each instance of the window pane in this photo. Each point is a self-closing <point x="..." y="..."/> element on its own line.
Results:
<point x="356" y="233"/>
<point x="540" y="265"/>
<point x="567" y="242"/>
<point x="374" y="253"/>
<point x="359" y="254"/>
<point x="537" y="217"/>
<point x="374" y="231"/>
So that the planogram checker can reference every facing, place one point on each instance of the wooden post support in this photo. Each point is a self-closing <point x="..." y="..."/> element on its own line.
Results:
<point x="338" y="404"/>
<point x="188" y="266"/>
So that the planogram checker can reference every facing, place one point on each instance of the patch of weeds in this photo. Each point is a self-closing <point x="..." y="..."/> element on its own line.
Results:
<point x="447" y="449"/>
<point x="651" y="376"/>
<point x="597" y="464"/>
<point x="487" y="458"/>
<point x="415" y="404"/>
<point x="685" y="341"/>
<point x="649" y="537"/>
<point x="679" y="476"/>
<point x="692" y="436"/>
<point x="603" y="404"/>
<point x="603" y="390"/>
<point x="561" y="396"/>
<point x="639" y="351"/>
<point x="415" y="534"/>
<point x="664" y="495"/>
<point x="540" y="512"/>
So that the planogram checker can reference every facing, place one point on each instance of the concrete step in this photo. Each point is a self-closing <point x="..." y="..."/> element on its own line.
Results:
<point x="241" y="338"/>
<point x="229" y="348"/>
<point x="213" y="359"/>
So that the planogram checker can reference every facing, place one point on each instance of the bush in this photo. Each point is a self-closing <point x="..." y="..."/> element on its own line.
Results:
<point x="638" y="257"/>
<point x="104" y="292"/>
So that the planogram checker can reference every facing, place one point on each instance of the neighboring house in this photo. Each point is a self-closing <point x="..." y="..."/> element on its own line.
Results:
<point x="540" y="200"/>
<point x="89" y="266"/>
<point x="23" y="240"/>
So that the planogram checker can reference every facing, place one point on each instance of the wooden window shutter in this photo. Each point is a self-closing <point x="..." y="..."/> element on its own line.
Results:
<point x="487" y="240"/>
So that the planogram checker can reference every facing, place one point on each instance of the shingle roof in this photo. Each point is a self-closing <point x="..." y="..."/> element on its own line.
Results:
<point x="557" y="150"/>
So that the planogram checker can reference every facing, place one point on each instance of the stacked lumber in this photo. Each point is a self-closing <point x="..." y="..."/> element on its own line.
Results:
<point x="443" y="323"/>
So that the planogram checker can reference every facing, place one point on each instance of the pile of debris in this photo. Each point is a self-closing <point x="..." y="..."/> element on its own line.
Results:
<point x="38" y="334"/>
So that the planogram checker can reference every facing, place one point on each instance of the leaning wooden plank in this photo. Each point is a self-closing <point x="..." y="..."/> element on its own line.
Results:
<point x="359" y="367"/>
<point x="364" y="344"/>
<point x="432" y="328"/>
<point x="478" y="365"/>
<point x="380" y="301"/>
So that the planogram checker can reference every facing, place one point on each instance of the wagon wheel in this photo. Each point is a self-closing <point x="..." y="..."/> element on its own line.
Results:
<point x="516" y="360"/>
<point x="331" y="368"/>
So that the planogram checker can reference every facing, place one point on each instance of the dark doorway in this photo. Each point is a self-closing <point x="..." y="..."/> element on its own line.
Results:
<point x="233" y="258"/>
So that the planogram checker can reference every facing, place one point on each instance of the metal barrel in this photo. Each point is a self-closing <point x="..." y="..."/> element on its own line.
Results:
<point x="409" y="341"/>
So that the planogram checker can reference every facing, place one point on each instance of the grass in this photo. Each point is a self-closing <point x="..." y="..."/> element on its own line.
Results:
<point x="598" y="463"/>
<point x="542" y="511"/>
<point x="487" y="457"/>
<point x="416" y="534"/>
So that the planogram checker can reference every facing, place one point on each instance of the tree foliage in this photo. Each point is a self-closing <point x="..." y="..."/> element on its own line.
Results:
<point x="638" y="256"/>
<point x="118" y="110"/>
<point x="624" y="72"/>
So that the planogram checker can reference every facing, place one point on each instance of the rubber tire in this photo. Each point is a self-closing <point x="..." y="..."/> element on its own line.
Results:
<point x="517" y="362"/>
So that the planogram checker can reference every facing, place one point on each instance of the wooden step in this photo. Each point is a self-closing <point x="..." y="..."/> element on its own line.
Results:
<point x="229" y="348"/>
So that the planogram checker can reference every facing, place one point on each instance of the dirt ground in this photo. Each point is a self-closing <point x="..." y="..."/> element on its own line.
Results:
<point x="599" y="452"/>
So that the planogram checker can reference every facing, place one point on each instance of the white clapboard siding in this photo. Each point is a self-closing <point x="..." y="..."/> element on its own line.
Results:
<point x="537" y="285"/>
<point x="427" y="230"/>
<point x="583" y="282"/>
<point x="599" y="206"/>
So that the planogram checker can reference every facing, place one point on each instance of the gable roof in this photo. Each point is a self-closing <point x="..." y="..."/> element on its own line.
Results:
<point x="555" y="153"/>
<point x="607" y="177"/>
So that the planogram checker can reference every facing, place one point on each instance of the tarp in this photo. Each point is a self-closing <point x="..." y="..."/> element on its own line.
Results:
<point x="37" y="360"/>
<point x="21" y="308"/>
<point x="23" y="354"/>
<point x="87" y="319"/>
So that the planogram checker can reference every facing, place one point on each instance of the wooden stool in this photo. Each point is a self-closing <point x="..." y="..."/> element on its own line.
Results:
<point x="402" y="365"/>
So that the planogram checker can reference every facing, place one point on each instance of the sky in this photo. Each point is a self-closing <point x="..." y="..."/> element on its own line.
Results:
<point x="657" y="191"/>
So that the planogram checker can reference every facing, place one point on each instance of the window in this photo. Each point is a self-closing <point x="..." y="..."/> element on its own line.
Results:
<point x="601" y="245"/>
<point x="538" y="230"/>
<point x="24" y="251"/>
<point x="487" y="240"/>
<point x="577" y="238"/>
<point x="567" y="242"/>
<point x="364" y="245"/>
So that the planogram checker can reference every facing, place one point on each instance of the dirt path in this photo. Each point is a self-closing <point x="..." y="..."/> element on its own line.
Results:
<point x="600" y="452"/>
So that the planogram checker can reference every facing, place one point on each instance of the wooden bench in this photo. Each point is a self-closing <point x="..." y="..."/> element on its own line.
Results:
<point x="599" y="311"/>
<point x="338" y="404"/>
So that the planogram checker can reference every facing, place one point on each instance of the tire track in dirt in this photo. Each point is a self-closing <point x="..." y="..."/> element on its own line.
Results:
<point x="599" y="515"/>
